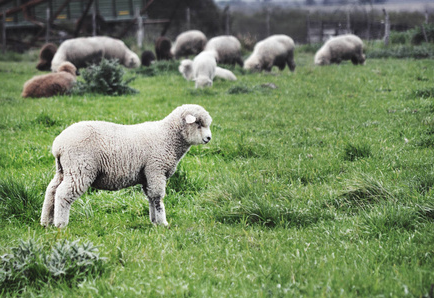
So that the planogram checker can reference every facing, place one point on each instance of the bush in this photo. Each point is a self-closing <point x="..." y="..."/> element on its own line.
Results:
<point x="29" y="265"/>
<point x="417" y="36"/>
<point x="105" y="78"/>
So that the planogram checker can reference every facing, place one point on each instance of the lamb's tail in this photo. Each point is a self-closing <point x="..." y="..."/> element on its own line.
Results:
<point x="225" y="74"/>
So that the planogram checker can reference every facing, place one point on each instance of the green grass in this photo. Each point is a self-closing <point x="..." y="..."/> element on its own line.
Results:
<point x="321" y="187"/>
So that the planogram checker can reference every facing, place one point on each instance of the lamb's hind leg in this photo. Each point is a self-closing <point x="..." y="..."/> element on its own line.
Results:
<point x="68" y="191"/>
<point x="47" y="215"/>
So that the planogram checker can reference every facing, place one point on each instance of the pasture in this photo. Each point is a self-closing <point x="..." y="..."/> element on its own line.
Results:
<point x="321" y="187"/>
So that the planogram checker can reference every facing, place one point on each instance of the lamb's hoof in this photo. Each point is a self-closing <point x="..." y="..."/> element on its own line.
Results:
<point x="60" y="224"/>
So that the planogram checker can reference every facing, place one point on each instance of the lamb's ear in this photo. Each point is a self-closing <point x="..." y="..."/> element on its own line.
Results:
<point x="190" y="119"/>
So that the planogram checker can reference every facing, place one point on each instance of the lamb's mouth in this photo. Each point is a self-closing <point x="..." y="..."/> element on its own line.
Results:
<point x="206" y="140"/>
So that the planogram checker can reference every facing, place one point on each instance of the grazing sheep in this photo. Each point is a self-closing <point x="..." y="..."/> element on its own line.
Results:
<point x="147" y="58"/>
<point x="188" y="43"/>
<point x="111" y="156"/>
<point x="276" y="50"/>
<point x="343" y="47"/>
<point x="83" y="51"/>
<point x="203" y="69"/>
<point x="46" y="55"/>
<point x="228" y="49"/>
<point x="162" y="48"/>
<point x="52" y="83"/>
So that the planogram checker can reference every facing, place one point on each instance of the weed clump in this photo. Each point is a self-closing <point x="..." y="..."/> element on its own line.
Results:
<point x="355" y="152"/>
<point x="106" y="78"/>
<point x="19" y="199"/>
<point x="159" y="68"/>
<point x="29" y="265"/>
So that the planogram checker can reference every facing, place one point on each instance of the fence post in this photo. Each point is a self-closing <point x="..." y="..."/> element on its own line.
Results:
<point x="386" y="27"/>
<point x="348" y="21"/>
<point x="308" y="27"/>
<point x="227" y="19"/>
<point x="93" y="20"/>
<point x="139" y="28"/>
<point x="267" y="21"/>
<point x="187" y="17"/>
<point x="47" y="27"/>
<point x="4" y="32"/>
<point x="426" y="16"/>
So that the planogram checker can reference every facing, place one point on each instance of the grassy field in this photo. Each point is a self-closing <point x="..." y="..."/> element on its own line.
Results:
<point x="321" y="187"/>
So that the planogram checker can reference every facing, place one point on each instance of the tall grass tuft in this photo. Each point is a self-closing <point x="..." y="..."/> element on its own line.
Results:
<point x="104" y="78"/>
<point x="159" y="68"/>
<point x="354" y="152"/>
<point x="21" y="199"/>
<point x="29" y="265"/>
<point x="255" y="201"/>
<point x="362" y="192"/>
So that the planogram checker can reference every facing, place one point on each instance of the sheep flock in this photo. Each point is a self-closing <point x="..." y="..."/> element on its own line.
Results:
<point x="112" y="156"/>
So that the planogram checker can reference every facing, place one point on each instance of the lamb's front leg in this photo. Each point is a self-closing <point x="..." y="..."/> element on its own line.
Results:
<point x="155" y="192"/>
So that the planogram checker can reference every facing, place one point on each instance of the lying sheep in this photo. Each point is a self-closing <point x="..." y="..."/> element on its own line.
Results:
<point x="203" y="69"/>
<point x="52" y="83"/>
<point x="228" y="49"/>
<point x="343" y="47"/>
<point x="111" y="156"/>
<point x="190" y="42"/>
<point x="90" y="50"/>
<point x="276" y="50"/>
<point x="162" y="48"/>
<point x="46" y="55"/>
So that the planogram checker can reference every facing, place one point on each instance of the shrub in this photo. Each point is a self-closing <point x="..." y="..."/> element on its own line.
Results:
<point x="417" y="36"/>
<point x="29" y="265"/>
<point x="105" y="78"/>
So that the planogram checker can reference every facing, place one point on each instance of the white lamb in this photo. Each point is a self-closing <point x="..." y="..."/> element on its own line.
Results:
<point x="111" y="156"/>
<point x="343" y="47"/>
<point x="276" y="50"/>
<point x="203" y="69"/>
<point x="228" y="49"/>
<point x="190" y="42"/>
<point x="83" y="51"/>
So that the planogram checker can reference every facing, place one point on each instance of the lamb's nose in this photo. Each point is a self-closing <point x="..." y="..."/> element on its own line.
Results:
<point x="207" y="139"/>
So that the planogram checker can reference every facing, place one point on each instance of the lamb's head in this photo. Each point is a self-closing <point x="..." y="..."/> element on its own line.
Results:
<point x="322" y="56"/>
<point x="68" y="67"/>
<point x="252" y="63"/>
<point x="132" y="60"/>
<point x="195" y="124"/>
<point x="202" y="81"/>
<point x="186" y="69"/>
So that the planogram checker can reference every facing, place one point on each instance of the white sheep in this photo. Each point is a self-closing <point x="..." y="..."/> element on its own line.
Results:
<point x="51" y="84"/>
<point x="83" y="51"/>
<point x="111" y="156"/>
<point x="276" y="50"/>
<point x="228" y="49"/>
<point x="343" y="47"/>
<point x="190" y="42"/>
<point x="203" y="69"/>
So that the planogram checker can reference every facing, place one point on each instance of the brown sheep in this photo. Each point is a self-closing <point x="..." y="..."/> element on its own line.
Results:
<point x="147" y="58"/>
<point x="162" y="48"/>
<point x="46" y="55"/>
<point x="51" y="84"/>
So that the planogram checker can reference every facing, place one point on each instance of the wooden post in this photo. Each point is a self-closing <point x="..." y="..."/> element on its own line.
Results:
<point x="267" y="21"/>
<point x="139" y="28"/>
<point x="386" y="27"/>
<point x="348" y="21"/>
<point x="187" y="17"/>
<point x="426" y="16"/>
<point x="47" y="27"/>
<point x="308" y="27"/>
<point x="4" y="32"/>
<point x="227" y="19"/>
<point x="94" y="20"/>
